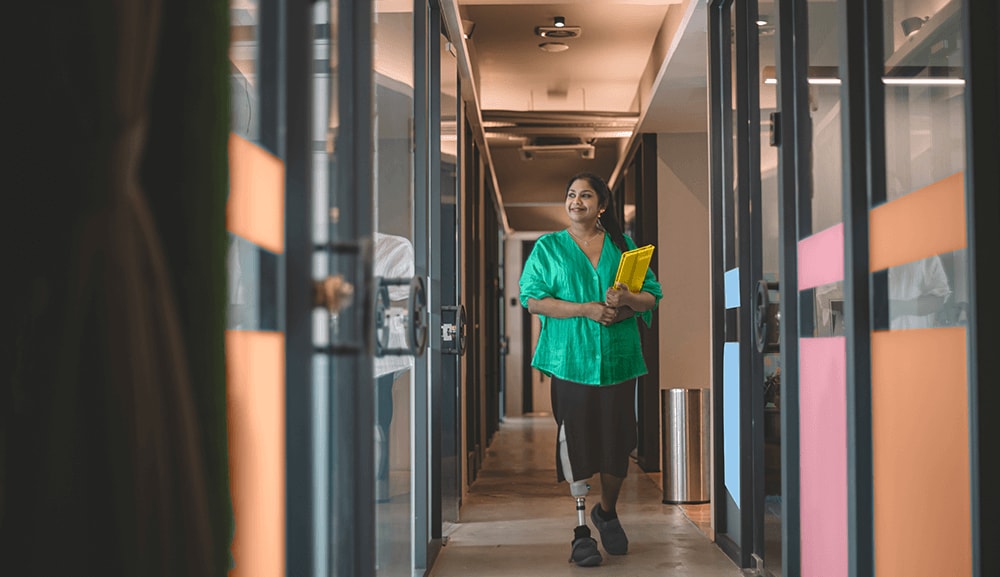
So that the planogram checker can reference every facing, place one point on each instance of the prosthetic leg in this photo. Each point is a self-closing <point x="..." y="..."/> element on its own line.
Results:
<point x="584" y="553"/>
<point x="578" y="489"/>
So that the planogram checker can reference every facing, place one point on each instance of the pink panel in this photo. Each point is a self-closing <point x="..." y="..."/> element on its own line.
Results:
<point x="821" y="258"/>
<point x="823" y="456"/>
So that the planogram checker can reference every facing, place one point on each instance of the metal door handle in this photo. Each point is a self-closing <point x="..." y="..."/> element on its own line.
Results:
<point x="333" y="293"/>
<point x="417" y="334"/>
<point x="454" y="333"/>
<point x="766" y="318"/>
<point x="416" y="324"/>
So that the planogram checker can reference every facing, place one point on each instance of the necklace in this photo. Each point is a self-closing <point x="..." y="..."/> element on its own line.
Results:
<point x="587" y="241"/>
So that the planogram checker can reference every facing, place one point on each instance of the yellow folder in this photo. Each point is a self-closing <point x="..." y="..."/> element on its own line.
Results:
<point x="633" y="266"/>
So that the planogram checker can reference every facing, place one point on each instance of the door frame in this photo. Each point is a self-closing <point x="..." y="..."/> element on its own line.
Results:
<point x="981" y="20"/>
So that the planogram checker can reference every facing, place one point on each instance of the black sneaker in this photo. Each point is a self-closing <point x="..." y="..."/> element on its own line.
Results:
<point x="612" y="535"/>
<point x="585" y="553"/>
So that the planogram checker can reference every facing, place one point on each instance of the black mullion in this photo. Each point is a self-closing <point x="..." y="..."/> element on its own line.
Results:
<point x="756" y="257"/>
<point x="747" y="200"/>
<point x="435" y="220"/>
<point x="795" y="183"/>
<point x="422" y="124"/>
<point x="861" y="97"/>
<point x="352" y="407"/>
<point x="271" y="74"/>
<point x="721" y="158"/>
<point x="981" y="20"/>
<point x="286" y="129"/>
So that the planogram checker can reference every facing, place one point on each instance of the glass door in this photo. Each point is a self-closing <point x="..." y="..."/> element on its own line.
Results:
<point x="452" y="311"/>
<point x="725" y="271"/>
<point x="813" y="386"/>
<point x="919" y="279"/>
<point x="748" y="256"/>
<point x="396" y="292"/>
<point x="766" y="291"/>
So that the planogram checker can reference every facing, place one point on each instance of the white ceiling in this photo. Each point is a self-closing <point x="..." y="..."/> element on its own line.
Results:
<point x="637" y="66"/>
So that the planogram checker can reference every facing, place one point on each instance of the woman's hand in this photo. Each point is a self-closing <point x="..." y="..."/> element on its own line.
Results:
<point x="601" y="313"/>
<point x="618" y="295"/>
<point x="596" y="311"/>
<point x="622" y="313"/>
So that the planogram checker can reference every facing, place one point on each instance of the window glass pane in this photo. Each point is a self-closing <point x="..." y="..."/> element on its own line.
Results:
<point x="766" y="26"/>
<point x="731" y="383"/>
<point x="243" y="29"/>
<point x="824" y="208"/>
<point x="394" y="259"/>
<point x="822" y="382"/>
<point x="919" y="261"/>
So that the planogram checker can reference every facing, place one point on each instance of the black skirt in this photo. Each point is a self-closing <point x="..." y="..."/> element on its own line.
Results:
<point x="600" y="427"/>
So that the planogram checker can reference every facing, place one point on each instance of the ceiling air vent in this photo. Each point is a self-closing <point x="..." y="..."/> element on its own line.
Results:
<point x="547" y="147"/>
<point x="558" y="31"/>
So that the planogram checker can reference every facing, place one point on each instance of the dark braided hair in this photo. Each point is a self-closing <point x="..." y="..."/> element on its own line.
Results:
<point x="607" y="219"/>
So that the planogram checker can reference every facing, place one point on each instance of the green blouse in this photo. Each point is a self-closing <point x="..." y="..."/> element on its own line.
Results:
<point x="579" y="349"/>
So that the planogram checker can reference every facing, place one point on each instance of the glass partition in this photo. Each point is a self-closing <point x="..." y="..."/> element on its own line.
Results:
<point x="393" y="267"/>
<point x="822" y="348"/>
<point x="451" y="468"/>
<point x="919" y="271"/>
<point x="767" y="26"/>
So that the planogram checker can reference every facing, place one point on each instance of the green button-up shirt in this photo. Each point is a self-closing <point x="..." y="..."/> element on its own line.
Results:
<point x="579" y="349"/>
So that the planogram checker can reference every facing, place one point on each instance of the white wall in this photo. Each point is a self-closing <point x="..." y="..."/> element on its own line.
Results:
<point x="684" y="260"/>
<point x="513" y="393"/>
<point x="513" y="256"/>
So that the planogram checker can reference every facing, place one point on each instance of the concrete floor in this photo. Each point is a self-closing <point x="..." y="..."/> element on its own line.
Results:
<point x="517" y="521"/>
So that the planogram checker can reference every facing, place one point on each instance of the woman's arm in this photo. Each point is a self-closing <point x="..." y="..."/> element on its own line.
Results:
<point x="560" y="309"/>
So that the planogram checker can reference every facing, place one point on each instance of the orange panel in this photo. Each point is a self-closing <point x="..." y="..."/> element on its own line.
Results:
<point x="256" y="207"/>
<point x="920" y="444"/>
<point x="923" y="223"/>
<point x="255" y="365"/>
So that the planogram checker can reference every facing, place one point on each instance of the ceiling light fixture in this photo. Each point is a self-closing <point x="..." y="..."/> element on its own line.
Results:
<point x="554" y="46"/>
<point x="829" y="76"/>
<point x="912" y="24"/>
<point x="559" y="22"/>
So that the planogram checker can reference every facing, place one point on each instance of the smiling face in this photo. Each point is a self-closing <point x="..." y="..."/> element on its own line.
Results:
<point x="583" y="205"/>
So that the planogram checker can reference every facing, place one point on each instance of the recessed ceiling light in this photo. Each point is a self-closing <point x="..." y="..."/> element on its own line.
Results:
<point x="559" y="22"/>
<point x="553" y="46"/>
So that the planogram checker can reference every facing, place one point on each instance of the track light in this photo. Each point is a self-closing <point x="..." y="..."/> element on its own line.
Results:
<point x="559" y="22"/>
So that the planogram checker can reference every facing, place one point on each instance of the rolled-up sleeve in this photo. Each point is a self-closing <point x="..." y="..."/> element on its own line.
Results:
<point x="535" y="282"/>
<point x="651" y="286"/>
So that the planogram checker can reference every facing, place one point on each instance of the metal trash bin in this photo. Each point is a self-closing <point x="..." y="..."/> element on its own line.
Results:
<point x="686" y="417"/>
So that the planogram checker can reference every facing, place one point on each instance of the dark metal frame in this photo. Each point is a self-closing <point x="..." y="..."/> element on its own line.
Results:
<point x="434" y="233"/>
<point x="641" y="162"/>
<point x="471" y="215"/>
<point x="425" y="129"/>
<point x="794" y="132"/>
<point x="352" y="408"/>
<point x="863" y="154"/>
<point x="722" y="244"/>
<point x="981" y="20"/>
<point x="286" y="98"/>
<point x="749" y="221"/>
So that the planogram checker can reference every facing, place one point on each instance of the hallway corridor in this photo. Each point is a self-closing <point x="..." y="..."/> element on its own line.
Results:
<point x="517" y="521"/>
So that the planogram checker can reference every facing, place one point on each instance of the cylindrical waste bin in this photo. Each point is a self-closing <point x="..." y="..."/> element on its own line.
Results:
<point x="686" y="417"/>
